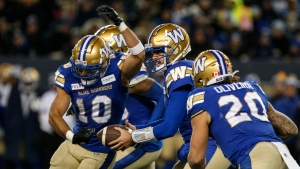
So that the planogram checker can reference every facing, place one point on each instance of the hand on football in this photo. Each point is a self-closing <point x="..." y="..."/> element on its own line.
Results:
<point x="123" y="142"/>
<point x="83" y="136"/>
<point x="110" y="13"/>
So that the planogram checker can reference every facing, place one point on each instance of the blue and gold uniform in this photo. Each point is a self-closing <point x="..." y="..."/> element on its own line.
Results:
<point x="98" y="105"/>
<point x="229" y="116"/>
<point x="236" y="115"/>
<point x="98" y="88"/>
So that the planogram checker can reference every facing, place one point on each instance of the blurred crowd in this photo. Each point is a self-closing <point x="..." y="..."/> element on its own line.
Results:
<point x="244" y="29"/>
<point x="27" y="141"/>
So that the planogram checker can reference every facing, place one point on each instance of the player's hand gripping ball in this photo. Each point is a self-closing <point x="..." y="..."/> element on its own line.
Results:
<point x="109" y="133"/>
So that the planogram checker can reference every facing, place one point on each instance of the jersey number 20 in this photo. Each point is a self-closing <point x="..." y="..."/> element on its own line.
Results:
<point x="234" y="116"/>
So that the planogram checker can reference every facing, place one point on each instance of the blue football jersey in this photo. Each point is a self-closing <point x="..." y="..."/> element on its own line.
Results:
<point x="176" y="76"/>
<point x="98" y="105"/>
<point x="139" y="109"/>
<point x="238" y="116"/>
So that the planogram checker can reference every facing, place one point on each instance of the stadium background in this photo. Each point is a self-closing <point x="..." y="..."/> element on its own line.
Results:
<point x="262" y="37"/>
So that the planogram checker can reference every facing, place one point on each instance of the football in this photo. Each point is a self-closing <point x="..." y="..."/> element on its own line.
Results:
<point x="109" y="133"/>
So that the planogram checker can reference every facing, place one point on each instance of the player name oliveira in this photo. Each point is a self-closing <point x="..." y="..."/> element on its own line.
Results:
<point x="233" y="86"/>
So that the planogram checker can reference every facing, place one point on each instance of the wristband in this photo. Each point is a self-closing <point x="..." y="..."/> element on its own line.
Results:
<point x="137" y="49"/>
<point x="122" y="26"/>
<point x="137" y="80"/>
<point x="69" y="135"/>
<point x="143" y="135"/>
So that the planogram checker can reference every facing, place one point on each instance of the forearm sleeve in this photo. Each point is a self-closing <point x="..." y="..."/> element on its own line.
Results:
<point x="156" y="93"/>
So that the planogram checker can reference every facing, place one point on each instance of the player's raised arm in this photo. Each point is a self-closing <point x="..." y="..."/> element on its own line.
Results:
<point x="284" y="127"/>
<point x="134" y="61"/>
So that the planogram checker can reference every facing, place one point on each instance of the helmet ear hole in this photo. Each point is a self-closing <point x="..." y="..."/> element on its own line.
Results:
<point x="199" y="80"/>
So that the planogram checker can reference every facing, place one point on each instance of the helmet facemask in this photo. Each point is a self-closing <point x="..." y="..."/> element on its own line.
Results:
<point x="89" y="74"/>
<point x="153" y="64"/>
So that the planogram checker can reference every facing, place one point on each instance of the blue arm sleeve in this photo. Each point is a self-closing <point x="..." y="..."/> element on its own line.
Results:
<point x="173" y="116"/>
<point x="156" y="93"/>
<point x="154" y="123"/>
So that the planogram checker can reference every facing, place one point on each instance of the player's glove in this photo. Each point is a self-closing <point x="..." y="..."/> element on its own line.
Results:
<point x="70" y="111"/>
<point x="183" y="151"/>
<point x="83" y="136"/>
<point x="110" y="13"/>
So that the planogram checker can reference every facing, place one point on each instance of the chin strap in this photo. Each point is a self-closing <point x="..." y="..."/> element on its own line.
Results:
<point x="235" y="72"/>
<point x="143" y="135"/>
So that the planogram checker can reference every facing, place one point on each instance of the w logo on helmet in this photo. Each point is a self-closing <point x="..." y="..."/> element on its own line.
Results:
<point x="105" y="50"/>
<point x="119" y="40"/>
<point x="199" y="65"/>
<point x="176" y="35"/>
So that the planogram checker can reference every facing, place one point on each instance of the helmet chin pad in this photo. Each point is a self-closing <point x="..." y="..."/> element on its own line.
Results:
<point x="88" y="82"/>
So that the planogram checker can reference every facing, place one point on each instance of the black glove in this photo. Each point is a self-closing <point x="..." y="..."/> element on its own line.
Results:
<point x="110" y="13"/>
<point x="71" y="111"/>
<point x="83" y="136"/>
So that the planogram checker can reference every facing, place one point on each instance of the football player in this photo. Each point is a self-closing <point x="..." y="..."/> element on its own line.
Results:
<point x="98" y="89"/>
<point x="140" y="108"/>
<point x="238" y="116"/>
<point x="4" y="78"/>
<point x="169" y="44"/>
